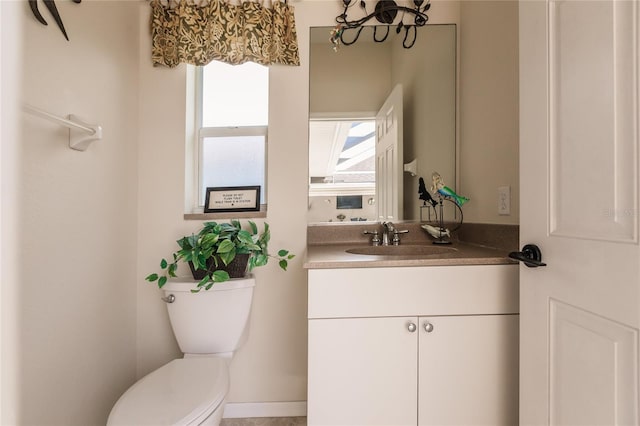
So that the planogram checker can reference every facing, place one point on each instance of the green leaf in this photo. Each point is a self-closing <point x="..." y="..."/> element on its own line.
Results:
<point x="187" y="256"/>
<point x="266" y="236"/>
<point x="195" y="290"/>
<point x="229" y="228"/>
<point x="163" y="263"/>
<point x="254" y="227"/>
<point x="172" y="269"/>
<point x="162" y="281"/>
<point x="204" y="281"/>
<point x="227" y="257"/>
<point x="245" y="237"/>
<point x="283" y="253"/>
<point x="201" y="262"/>
<point x="209" y="239"/>
<point x="291" y="256"/>
<point x="183" y="242"/>
<point x="236" y="224"/>
<point x="261" y="259"/>
<point x="151" y="278"/>
<point x="226" y="246"/>
<point x="220" y="276"/>
<point x="283" y="264"/>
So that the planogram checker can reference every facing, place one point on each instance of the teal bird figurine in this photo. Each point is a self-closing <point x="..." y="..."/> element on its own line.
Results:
<point x="439" y="187"/>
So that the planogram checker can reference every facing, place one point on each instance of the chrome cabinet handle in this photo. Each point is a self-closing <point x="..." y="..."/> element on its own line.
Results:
<point x="411" y="327"/>
<point x="428" y="327"/>
<point x="169" y="299"/>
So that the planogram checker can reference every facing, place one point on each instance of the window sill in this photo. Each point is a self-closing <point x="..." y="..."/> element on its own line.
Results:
<point x="228" y="215"/>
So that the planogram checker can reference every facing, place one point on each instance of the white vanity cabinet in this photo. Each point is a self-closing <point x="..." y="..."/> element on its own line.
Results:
<point x="413" y="346"/>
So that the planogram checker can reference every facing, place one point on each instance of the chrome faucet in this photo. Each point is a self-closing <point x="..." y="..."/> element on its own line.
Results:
<point x="390" y="235"/>
<point x="387" y="230"/>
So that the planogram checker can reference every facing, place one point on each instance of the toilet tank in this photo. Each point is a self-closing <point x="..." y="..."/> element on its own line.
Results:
<point x="210" y="321"/>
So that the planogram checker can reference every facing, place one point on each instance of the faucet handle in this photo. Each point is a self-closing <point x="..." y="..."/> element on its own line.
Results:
<point x="396" y="236"/>
<point x="375" y="239"/>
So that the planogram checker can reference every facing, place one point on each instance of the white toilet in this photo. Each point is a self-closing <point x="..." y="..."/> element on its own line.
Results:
<point x="209" y="326"/>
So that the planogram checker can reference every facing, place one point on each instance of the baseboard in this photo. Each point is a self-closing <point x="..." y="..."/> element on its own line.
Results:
<point x="235" y="410"/>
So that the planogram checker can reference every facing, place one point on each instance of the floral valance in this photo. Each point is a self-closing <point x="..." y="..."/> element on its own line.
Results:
<point x="196" y="34"/>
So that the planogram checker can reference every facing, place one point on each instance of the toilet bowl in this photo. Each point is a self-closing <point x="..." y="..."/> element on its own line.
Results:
<point x="188" y="391"/>
<point x="209" y="326"/>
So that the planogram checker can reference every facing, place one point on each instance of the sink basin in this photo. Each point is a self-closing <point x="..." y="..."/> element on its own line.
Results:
<point x="401" y="250"/>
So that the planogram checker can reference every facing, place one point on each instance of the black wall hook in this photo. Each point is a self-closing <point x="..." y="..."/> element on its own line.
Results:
<point x="53" y="9"/>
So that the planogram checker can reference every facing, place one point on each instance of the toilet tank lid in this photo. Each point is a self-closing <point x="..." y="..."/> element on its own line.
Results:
<point x="178" y="393"/>
<point x="186" y="286"/>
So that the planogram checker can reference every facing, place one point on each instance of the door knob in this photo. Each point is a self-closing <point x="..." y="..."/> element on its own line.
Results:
<point x="411" y="327"/>
<point x="530" y="256"/>
<point x="428" y="327"/>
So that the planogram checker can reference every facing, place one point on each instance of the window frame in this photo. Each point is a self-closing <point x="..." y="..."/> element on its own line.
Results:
<point x="195" y="172"/>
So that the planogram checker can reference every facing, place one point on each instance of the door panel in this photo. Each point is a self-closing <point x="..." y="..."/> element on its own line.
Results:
<point x="375" y="356"/>
<point x="474" y="362"/>
<point x="591" y="359"/>
<point x="592" y="114"/>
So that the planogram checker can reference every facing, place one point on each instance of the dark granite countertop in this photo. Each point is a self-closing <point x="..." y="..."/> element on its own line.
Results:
<point x="327" y="247"/>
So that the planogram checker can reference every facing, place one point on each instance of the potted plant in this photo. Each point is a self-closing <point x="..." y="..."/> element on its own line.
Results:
<point x="220" y="251"/>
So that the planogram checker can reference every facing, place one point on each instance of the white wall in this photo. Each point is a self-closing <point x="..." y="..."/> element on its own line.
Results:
<point x="77" y="215"/>
<point x="427" y="73"/>
<point x="489" y="108"/>
<point x="10" y="24"/>
<point x="354" y="79"/>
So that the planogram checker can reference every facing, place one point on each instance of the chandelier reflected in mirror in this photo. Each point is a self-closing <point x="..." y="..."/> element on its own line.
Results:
<point x="385" y="12"/>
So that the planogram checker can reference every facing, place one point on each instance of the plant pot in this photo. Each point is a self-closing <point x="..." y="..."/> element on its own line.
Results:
<point x="237" y="268"/>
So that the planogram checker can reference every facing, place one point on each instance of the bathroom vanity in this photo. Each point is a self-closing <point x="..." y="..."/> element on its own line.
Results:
<point x="412" y="340"/>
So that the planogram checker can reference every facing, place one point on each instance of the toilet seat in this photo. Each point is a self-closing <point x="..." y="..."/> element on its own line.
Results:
<point x="183" y="392"/>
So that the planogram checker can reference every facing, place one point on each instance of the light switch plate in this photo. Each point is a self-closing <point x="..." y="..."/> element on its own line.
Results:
<point x="504" y="200"/>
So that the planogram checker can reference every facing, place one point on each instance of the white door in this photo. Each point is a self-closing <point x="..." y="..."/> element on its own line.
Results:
<point x="389" y="157"/>
<point x="579" y="192"/>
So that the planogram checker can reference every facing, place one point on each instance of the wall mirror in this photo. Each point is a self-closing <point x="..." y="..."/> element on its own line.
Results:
<point x="352" y="85"/>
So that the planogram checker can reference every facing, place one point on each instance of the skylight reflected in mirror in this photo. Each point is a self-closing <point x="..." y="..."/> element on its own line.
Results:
<point x="343" y="153"/>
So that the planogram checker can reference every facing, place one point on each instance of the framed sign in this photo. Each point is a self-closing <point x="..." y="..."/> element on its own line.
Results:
<point x="232" y="199"/>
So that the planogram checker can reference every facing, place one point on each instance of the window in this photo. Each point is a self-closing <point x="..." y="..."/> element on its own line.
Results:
<point x="231" y="128"/>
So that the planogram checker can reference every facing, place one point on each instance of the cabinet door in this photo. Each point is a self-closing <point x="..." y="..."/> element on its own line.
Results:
<point x="362" y="371"/>
<point x="468" y="371"/>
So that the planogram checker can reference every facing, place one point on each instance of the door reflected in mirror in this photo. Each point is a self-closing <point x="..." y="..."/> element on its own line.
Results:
<point x="348" y="89"/>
